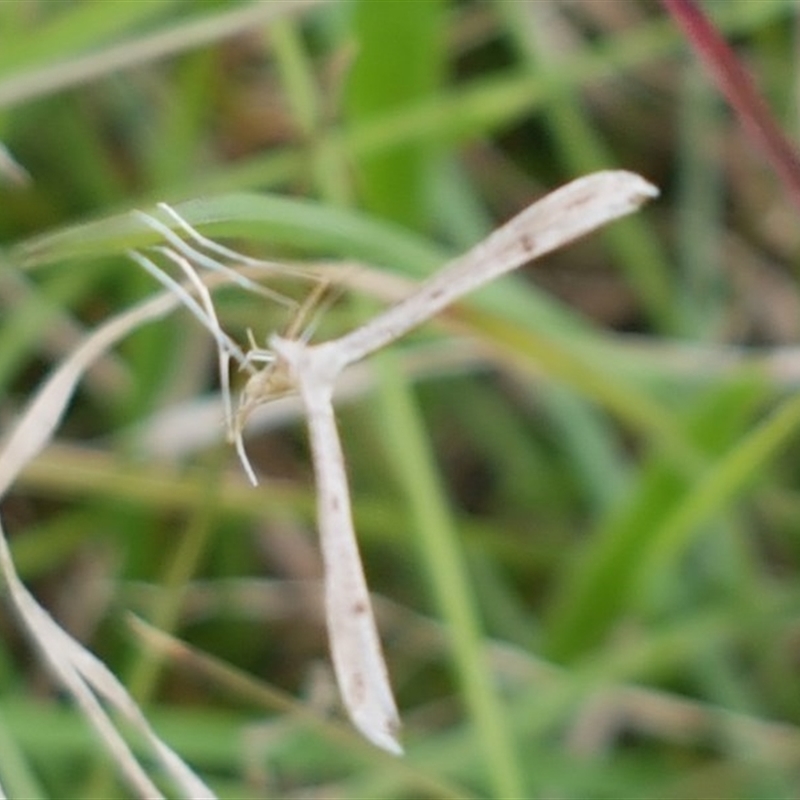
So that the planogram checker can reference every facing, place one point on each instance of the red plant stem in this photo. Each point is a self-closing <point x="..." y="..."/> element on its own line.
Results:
<point x="740" y="91"/>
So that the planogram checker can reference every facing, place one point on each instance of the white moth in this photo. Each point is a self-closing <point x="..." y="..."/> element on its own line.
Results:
<point x="292" y="364"/>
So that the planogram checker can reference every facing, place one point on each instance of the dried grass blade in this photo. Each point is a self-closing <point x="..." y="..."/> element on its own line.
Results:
<point x="79" y="671"/>
<point x="46" y="635"/>
<point x="44" y="411"/>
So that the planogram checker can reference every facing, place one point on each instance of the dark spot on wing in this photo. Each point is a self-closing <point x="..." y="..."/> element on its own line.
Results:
<point x="357" y="687"/>
<point x="527" y="242"/>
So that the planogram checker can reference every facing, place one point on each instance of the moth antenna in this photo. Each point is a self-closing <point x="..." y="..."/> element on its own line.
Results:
<point x="216" y="247"/>
<point x="324" y="298"/>
<point x="238" y="443"/>
<point x="225" y="389"/>
<point x="203" y="260"/>
<point x="189" y="303"/>
<point x="224" y="353"/>
<point x="255" y="353"/>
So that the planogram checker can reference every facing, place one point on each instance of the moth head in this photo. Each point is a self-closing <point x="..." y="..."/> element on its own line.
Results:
<point x="274" y="380"/>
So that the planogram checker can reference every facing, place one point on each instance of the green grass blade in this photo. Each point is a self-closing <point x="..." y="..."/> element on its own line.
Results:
<point x="442" y="553"/>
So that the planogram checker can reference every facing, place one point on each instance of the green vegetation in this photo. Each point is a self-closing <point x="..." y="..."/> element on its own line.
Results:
<point x="577" y="494"/>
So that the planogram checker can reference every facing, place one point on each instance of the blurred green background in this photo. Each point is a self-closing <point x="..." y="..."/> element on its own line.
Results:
<point x="577" y="497"/>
